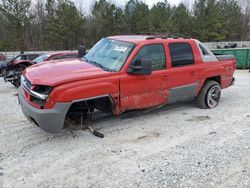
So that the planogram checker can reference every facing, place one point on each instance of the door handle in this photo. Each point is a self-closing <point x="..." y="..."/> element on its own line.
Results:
<point x="193" y="73"/>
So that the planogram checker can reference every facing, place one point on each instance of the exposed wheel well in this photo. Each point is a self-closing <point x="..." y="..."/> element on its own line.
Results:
<point x="103" y="104"/>
<point x="215" y="78"/>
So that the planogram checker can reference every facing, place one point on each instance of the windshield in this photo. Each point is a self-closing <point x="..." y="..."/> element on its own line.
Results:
<point x="17" y="57"/>
<point x="41" y="58"/>
<point x="109" y="54"/>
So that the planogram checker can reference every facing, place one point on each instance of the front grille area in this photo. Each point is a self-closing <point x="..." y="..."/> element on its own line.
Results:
<point x="37" y="101"/>
<point x="34" y="100"/>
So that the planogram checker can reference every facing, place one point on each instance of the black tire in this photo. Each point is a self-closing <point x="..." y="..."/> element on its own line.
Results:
<point x="205" y="98"/>
<point x="18" y="72"/>
<point x="3" y="72"/>
<point x="16" y="83"/>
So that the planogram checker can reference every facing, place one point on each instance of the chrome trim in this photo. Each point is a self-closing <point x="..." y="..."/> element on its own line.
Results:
<point x="33" y="93"/>
<point x="22" y="78"/>
<point x="96" y="97"/>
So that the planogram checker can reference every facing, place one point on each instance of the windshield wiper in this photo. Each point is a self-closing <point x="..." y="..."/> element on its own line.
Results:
<point x="98" y="65"/>
<point x="101" y="66"/>
<point x="85" y="59"/>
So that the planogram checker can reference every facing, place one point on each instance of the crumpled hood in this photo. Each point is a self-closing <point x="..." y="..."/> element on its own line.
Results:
<point x="59" y="72"/>
<point x="17" y="62"/>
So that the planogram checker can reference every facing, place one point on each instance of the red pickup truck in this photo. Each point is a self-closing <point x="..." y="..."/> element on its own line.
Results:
<point x="122" y="73"/>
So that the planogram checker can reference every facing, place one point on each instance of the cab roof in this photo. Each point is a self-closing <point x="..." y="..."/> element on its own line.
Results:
<point x="140" y="38"/>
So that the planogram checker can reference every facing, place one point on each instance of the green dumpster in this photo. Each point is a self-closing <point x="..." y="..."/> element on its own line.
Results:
<point x="242" y="56"/>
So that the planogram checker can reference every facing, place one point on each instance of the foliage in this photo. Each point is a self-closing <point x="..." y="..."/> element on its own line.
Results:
<point x="63" y="26"/>
<point x="136" y="16"/>
<point x="59" y="24"/>
<point x="16" y="17"/>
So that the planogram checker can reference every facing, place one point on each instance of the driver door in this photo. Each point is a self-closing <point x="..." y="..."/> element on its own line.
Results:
<point x="145" y="91"/>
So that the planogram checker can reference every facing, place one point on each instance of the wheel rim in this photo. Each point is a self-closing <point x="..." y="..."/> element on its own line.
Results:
<point x="213" y="96"/>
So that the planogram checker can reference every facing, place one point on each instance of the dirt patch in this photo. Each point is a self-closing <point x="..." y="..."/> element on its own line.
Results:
<point x="152" y="134"/>
<point x="199" y="118"/>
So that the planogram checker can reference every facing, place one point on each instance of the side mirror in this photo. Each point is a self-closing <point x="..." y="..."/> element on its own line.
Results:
<point x="81" y="51"/>
<point x="140" y="67"/>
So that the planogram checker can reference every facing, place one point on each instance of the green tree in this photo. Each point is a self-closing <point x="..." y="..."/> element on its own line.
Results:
<point x="137" y="16"/>
<point x="120" y="26"/>
<point x="64" y="27"/>
<point x="106" y="19"/>
<point x="160" y="18"/>
<point x="231" y="14"/>
<point x="59" y="24"/>
<point x="182" y="20"/>
<point x="103" y="15"/>
<point x="18" y="17"/>
<point x="207" y="23"/>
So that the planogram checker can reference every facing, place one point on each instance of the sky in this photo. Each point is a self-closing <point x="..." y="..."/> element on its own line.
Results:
<point x="150" y="2"/>
<point x="86" y="4"/>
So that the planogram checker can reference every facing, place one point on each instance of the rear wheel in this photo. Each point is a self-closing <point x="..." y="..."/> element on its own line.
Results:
<point x="209" y="95"/>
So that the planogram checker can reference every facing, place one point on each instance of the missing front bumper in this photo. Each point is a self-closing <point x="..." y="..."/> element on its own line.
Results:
<point x="49" y="120"/>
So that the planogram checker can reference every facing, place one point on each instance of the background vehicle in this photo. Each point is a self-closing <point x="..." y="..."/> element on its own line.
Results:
<point x="122" y="73"/>
<point x="16" y="60"/>
<point x="15" y="68"/>
<point x="227" y="45"/>
<point x="3" y="65"/>
<point x="2" y="57"/>
<point x="231" y="45"/>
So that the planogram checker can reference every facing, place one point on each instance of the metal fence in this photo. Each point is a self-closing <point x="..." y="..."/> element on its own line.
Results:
<point x="215" y="45"/>
<point x="210" y="45"/>
<point x="13" y="54"/>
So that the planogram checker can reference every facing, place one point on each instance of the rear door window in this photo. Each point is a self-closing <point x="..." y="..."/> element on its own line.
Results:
<point x="181" y="54"/>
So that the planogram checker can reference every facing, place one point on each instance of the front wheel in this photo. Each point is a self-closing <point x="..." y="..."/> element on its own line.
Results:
<point x="209" y="95"/>
<point x="3" y="72"/>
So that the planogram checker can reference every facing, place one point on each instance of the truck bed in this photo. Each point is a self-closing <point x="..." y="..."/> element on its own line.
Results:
<point x="221" y="57"/>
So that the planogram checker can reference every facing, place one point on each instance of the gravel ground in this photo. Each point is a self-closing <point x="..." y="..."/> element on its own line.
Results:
<point x="175" y="146"/>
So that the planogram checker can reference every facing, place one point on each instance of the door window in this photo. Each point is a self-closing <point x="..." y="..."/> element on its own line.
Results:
<point x="31" y="57"/>
<point x="181" y="54"/>
<point x="156" y="53"/>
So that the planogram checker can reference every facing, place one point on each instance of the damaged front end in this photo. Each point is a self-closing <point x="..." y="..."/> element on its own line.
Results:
<point x="38" y="93"/>
<point x="13" y="75"/>
<point x="32" y="99"/>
